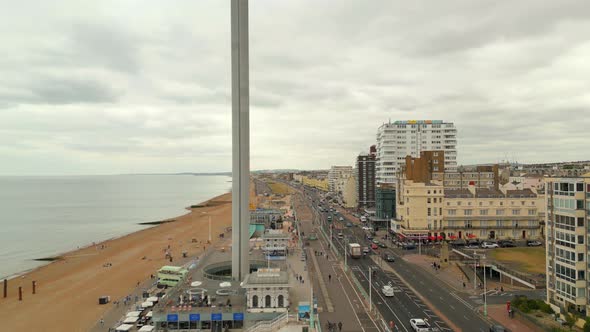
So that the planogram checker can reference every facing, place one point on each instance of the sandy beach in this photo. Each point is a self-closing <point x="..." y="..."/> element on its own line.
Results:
<point x="68" y="289"/>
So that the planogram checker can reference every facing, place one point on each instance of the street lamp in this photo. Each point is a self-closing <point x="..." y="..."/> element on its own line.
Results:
<point x="485" y="295"/>
<point x="208" y="215"/>
<point x="370" y="291"/>
<point x="345" y="260"/>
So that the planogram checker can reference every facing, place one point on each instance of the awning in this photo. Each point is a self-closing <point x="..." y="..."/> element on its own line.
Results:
<point x="431" y="238"/>
<point x="130" y="320"/>
<point x="124" y="327"/>
<point x="133" y="314"/>
<point x="471" y="236"/>
<point x="147" y="304"/>
<point x="440" y="237"/>
<point x="146" y="328"/>
<point x="152" y="299"/>
<point x="453" y="237"/>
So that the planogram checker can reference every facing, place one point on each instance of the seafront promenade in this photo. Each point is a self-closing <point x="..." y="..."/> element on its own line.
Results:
<point x="68" y="289"/>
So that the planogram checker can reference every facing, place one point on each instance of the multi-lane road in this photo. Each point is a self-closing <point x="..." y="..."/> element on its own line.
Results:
<point x="418" y="293"/>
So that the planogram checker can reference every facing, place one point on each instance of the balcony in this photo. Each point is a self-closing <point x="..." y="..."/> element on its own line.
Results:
<point x="489" y="227"/>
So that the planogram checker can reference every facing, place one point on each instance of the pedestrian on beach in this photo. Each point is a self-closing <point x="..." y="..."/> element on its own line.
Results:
<point x="329" y="278"/>
<point x="339" y="326"/>
<point x="101" y="322"/>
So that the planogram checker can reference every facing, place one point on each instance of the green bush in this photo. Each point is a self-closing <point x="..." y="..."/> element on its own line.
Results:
<point x="587" y="325"/>
<point x="533" y="304"/>
<point x="545" y="307"/>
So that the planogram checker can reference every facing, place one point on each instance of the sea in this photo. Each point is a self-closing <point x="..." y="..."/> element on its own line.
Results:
<point x="45" y="216"/>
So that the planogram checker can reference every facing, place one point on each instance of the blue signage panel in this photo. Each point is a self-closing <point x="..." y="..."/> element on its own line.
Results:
<point x="238" y="316"/>
<point x="216" y="316"/>
<point x="172" y="318"/>
<point x="194" y="317"/>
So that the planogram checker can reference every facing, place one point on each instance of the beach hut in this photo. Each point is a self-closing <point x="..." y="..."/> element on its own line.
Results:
<point x="150" y="314"/>
<point x="133" y="314"/>
<point x="153" y="299"/>
<point x="146" y="328"/>
<point x="124" y="327"/>
<point x="130" y="320"/>
<point x="147" y="304"/>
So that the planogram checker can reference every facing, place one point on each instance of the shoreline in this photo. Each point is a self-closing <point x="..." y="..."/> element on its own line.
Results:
<point x="74" y="283"/>
<point x="47" y="260"/>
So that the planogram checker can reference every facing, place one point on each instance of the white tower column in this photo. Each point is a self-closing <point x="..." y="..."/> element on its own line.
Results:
<point x="240" y="139"/>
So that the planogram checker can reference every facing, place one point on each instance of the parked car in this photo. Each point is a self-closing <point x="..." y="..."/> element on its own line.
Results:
<point x="534" y="243"/>
<point x="507" y="244"/>
<point x="340" y="235"/>
<point x="389" y="258"/>
<point x="374" y="246"/>
<point x="489" y="245"/>
<point x="375" y="241"/>
<point x="366" y="250"/>
<point x="366" y="228"/>
<point x="419" y="325"/>
<point x="409" y="246"/>
<point x="497" y="328"/>
<point x="471" y="246"/>
<point x="349" y="224"/>
<point x="369" y="237"/>
<point x="382" y="245"/>
<point x="341" y="219"/>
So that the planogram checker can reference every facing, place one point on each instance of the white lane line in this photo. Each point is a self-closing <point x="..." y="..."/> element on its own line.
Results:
<point x="387" y="304"/>
<point x="466" y="318"/>
<point x="351" y="306"/>
<point x="452" y="307"/>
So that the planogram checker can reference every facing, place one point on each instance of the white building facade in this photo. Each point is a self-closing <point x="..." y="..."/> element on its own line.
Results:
<point x="337" y="178"/>
<point x="399" y="139"/>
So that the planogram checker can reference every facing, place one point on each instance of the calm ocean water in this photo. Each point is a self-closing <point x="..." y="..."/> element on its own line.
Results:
<point x="45" y="216"/>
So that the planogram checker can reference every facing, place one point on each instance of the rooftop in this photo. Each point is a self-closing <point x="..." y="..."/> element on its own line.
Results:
<point x="458" y="193"/>
<point x="520" y="193"/>
<point x="267" y="277"/>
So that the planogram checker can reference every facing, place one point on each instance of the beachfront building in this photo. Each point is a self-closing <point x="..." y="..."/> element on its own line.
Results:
<point x="365" y="177"/>
<point x="267" y="290"/>
<point x="171" y="275"/>
<point x="482" y="213"/>
<point x="276" y="244"/>
<point x="399" y="139"/>
<point x="337" y="177"/>
<point x="418" y="210"/>
<point x="385" y="206"/>
<point x="481" y="176"/>
<point x="568" y="239"/>
<point x="271" y="218"/>
<point x="349" y="193"/>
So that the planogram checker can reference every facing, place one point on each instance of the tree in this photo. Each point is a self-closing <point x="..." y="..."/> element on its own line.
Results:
<point x="587" y="325"/>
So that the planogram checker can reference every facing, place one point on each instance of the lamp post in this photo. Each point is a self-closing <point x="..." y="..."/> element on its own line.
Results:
<point x="485" y="295"/>
<point x="345" y="260"/>
<point x="370" y="291"/>
<point x="474" y="270"/>
<point x="209" y="216"/>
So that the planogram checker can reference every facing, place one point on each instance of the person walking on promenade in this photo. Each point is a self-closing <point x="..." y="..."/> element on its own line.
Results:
<point x="340" y="326"/>
<point x="101" y="322"/>
<point x="329" y="278"/>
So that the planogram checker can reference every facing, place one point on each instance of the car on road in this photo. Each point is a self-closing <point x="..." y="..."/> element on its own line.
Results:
<point x="471" y="246"/>
<point x="340" y="235"/>
<point x="497" y="328"/>
<point x="419" y="325"/>
<point x="409" y="246"/>
<point x="366" y="228"/>
<point x="382" y="245"/>
<point x="366" y="250"/>
<point x="489" y="245"/>
<point x="389" y="258"/>
<point x="374" y="246"/>
<point x="534" y="243"/>
<point x="348" y="224"/>
<point x="375" y="241"/>
<point x="369" y="237"/>
<point x="341" y="219"/>
<point x="387" y="290"/>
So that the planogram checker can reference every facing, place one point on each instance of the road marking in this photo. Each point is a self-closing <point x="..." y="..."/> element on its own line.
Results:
<point x="465" y="317"/>
<point x="452" y="307"/>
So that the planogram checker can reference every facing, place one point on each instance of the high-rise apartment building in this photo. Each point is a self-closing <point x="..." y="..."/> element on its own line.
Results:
<point x="337" y="177"/>
<point x="399" y="139"/>
<point x="568" y="242"/>
<point x="365" y="169"/>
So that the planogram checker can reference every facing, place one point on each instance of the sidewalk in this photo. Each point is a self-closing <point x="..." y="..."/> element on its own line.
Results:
<point x="499" y="314"/>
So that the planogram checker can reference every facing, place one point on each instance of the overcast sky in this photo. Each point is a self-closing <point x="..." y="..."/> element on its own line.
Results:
<point x="100" y="87"/>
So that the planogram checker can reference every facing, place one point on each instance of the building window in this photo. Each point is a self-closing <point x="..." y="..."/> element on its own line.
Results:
<point x="452" y="212"/>
<point x="281" y="301"/>
<point x="516" y="212"/>
<point x="255" y="301"/>
<point x="267" y="301"/>
<point x="499" y="212"/>
<point x="429" y="212"/>
<point x="532" y="212"/>
<point x="468" y="212"/>
<point x="428" y="200"/>
<point x="483" y="212"/>
<point x="458" y="203"/>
